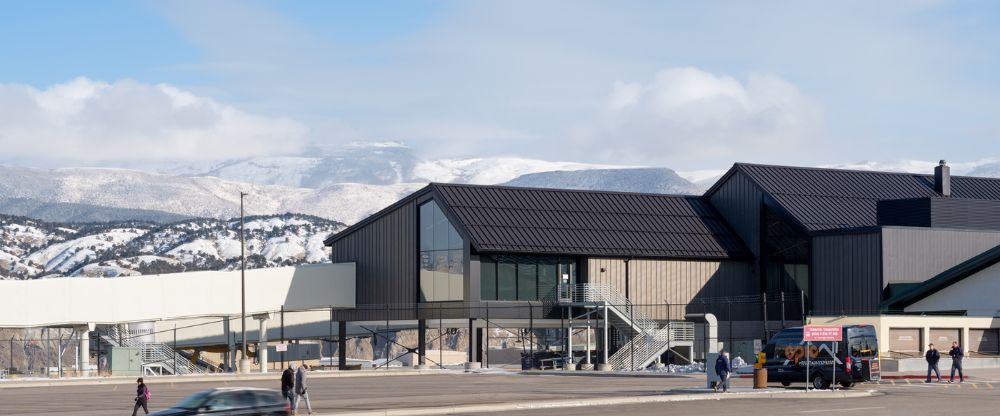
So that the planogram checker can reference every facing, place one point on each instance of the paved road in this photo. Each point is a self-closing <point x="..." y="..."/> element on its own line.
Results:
<point x="970" y="399"/>
<point x="331" y="395"/>
<point x="334" y="395"/>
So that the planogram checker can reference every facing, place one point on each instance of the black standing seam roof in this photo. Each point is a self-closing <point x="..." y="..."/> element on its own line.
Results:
<point x="828" y="199"/>
<point x="596" y="223"/>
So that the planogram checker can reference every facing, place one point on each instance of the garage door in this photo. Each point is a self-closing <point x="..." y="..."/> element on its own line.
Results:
<point x="904" y="341"/>
<point x="984" y="341"/>
<point x="942" y="337"/>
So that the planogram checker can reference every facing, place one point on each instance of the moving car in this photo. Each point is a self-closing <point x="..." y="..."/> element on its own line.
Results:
<point x="787" y="357"/>
<point x="230" y="401"/>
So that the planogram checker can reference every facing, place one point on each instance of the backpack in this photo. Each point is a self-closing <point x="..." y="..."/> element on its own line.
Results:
<point x="149" y="394"/>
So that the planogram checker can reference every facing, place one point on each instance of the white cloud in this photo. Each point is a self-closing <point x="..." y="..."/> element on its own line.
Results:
<point x="704" y="116"/>
<point x="88" y="120"/>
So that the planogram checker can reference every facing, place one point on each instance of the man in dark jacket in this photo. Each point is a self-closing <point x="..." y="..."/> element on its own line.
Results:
<point x="722" y="368"/>
<point x="956" y="361"/>
<point x="288" y="385"/>
<point x="932" y="356"/>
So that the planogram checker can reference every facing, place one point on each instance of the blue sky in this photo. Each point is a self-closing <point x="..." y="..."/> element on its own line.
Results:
<point x="688" y="85"/>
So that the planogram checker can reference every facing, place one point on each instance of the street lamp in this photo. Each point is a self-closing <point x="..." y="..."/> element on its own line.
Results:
<point x="244" y="361"/>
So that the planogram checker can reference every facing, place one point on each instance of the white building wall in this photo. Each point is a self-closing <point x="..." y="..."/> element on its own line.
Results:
<point x="977" y="294"/>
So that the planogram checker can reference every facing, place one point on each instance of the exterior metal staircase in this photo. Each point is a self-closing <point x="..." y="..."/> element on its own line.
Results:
<point x="156" y="358"/>
<point x="646" y="339"/>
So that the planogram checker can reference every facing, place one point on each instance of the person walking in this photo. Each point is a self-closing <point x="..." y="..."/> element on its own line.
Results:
<point x="956" y="362"/>
<point x="723" y="368"/>
<point x="141" y="397"/>
<point x="301" y="389"/>
<point x="288" y="385"/>
<point x="932" y="356"/>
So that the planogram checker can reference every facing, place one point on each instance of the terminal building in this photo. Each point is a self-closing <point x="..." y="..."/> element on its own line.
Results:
<point x="844" y="245"/>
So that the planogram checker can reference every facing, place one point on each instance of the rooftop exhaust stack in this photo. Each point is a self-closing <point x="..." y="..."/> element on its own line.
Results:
<point x="942" y="179"/>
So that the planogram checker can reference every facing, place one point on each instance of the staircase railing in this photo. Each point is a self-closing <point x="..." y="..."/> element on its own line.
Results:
<point x="151" y="354"/>
<point x="647" y="339"/>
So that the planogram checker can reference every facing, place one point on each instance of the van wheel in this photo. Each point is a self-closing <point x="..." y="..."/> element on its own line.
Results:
<point x="846" y="384"/>
<point x="820" y="383"/>
<point x="786" y="383"/>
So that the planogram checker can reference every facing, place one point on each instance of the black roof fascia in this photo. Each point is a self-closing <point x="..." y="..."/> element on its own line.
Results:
<point x="942" y="280"/>
<point x="371" y="218"/>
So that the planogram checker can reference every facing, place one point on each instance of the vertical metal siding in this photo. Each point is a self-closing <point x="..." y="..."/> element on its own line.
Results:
<point x="385" y="251"/>
<point x="913" y="255"/>
<point x="656" y="283"/>
<point x="738" y="202"/>
<point x="846" y="274"/>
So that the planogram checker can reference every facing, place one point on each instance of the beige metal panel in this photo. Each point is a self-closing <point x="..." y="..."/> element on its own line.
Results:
<point x="943" y="337"/>
<point x="985" y="341"/>
<point x="655" y="283"/>
<point x="913" y="255"/>
<point x="905" y="341"/>
<point x="67" y="301"/>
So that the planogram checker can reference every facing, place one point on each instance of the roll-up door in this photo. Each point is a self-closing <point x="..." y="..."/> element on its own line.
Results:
<point x="943" y="337"/>
<point x="904" y="341"/>
<point x="984" y="341"/>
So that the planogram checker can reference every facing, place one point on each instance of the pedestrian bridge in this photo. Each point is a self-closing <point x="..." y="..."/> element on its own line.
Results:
<point x="77" y="301"/>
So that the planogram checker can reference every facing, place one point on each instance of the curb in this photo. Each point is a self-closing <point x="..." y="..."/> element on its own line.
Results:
<point x="153" y="380"/>
<point x="606" y="401"/>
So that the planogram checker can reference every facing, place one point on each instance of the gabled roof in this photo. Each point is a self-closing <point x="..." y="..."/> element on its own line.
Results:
<point x="825" y="199"/>
<point x="573" y="222"/>
<point x="944" y="279"/>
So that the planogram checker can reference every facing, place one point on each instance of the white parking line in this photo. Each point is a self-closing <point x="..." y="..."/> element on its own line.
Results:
<point x="840" y="410"/>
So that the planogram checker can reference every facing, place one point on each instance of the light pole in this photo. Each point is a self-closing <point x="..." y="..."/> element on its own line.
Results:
<point x="244" y="361"/>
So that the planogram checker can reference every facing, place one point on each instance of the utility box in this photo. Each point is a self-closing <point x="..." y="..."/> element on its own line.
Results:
<point x="125" y="361"/>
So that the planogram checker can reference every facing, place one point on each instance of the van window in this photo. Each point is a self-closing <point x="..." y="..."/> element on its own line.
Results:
<point x="863" y="347"/>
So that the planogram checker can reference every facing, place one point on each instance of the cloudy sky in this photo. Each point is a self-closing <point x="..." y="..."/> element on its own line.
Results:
<point x="688" y="85"/>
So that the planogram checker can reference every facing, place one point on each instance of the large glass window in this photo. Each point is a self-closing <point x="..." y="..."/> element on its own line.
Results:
<point x="514" y="277"/>
<point x="441" y="256"/>
<point x="787" y="254"/>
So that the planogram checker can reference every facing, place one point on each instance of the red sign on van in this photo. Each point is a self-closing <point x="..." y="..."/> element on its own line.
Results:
<point x="822" y="333"/>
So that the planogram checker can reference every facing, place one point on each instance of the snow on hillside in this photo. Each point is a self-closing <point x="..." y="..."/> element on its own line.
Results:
<point x="489" y="171"/>
<point x="649" y="180"/>
<point x="136" y="248"/>
<point x="197" y="197"/>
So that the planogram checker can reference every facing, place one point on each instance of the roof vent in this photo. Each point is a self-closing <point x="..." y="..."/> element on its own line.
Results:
<point x="942" y="179"/>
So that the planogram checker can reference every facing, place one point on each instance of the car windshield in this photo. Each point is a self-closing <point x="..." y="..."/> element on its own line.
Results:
<point x="193" y="401"/>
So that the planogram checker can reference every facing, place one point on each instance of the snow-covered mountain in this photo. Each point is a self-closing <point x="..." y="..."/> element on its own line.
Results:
<point x="382" y="163"/>
<point x="652" y="180"/>
<point x="31" y="248"/>
<point x="193" y="196"/>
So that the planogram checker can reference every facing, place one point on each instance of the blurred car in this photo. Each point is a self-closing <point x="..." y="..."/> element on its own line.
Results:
<point x="230" y="401"/>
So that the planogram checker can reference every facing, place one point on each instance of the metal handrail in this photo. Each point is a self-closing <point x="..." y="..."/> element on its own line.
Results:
<point x="152" y="353"/>
<point x="649" y="338"/>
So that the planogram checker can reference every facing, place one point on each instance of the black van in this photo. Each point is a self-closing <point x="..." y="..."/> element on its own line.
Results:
<point x="856" y="358"/>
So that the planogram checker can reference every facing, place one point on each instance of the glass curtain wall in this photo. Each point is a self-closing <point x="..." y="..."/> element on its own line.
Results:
<point x="787" y="255"/>
<point x="441" y="262"/>
<point x="516" y="277"/>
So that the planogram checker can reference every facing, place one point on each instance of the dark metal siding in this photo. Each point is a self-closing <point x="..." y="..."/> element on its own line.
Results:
<point x="385" y="251"/>
<point x="971" y="214"/>
<point x="905" y="212"/>
<point x="739" y="201"/>
<point x="968" y="214"/>
<point x="846" y="274"/>
<point x="913" y="255"/>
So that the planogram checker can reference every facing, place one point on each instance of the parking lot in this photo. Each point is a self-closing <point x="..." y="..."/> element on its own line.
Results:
<point x="354" y="394"/>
